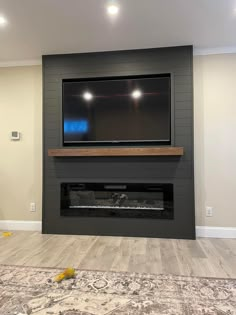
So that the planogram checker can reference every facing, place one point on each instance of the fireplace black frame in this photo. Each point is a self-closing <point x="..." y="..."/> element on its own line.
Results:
<point x="166" y="189"/>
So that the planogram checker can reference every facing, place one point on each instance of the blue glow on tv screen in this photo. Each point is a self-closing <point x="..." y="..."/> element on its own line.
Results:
<point x="117" y="110"/>
<point x="78" y="127"/>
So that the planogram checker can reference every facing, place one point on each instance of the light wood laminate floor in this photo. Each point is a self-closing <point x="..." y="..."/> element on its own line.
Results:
<point x="203" y="257"/>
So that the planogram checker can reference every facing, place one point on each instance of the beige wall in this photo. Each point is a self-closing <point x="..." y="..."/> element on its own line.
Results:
<point x="215" y="138"/>
<point x="20" y="161"/>
<point x="215" y="133"/>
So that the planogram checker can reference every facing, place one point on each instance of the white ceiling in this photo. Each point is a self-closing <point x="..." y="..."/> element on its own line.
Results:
<point x="38" y="27"/>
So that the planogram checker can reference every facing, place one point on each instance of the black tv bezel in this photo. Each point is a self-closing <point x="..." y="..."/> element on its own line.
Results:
<point x="120" y="143"/>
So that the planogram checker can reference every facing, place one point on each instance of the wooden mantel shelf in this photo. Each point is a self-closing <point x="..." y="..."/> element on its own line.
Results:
<point x="114" y="151"/>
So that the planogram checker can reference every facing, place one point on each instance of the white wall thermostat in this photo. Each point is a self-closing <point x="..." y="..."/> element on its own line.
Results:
<point x="15" y="135"/>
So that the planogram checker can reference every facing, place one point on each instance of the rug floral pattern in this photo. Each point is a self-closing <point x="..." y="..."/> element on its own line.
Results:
<point x="26" y="290"/>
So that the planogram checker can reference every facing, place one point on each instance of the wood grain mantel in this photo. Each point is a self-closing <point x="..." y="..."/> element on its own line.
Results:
<point x="112" y="151"/>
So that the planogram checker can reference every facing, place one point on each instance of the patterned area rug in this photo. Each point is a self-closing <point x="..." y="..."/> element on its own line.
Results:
<point x="26" y="290"/>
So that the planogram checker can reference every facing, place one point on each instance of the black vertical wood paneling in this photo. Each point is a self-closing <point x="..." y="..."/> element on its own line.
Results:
<point x="179" y="171"/>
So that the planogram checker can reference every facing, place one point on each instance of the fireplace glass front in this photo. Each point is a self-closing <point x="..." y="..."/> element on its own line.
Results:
<point x="117" y="200"/>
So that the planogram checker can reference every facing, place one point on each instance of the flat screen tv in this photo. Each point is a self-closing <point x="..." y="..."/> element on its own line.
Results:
<point x="127" y="110"/>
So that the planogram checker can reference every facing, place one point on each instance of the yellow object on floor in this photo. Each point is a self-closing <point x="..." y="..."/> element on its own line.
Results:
<point x="6" y="234"/>
<point x="68" y="273"/>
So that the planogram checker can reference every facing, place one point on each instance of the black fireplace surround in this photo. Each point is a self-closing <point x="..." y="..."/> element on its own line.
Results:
<point x="124" y="196"/>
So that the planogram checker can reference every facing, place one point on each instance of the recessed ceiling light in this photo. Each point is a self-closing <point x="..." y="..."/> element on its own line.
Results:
<point x="3" y="20"/>
<point x="87" y="96"/>
<point x="113" y="9"/>
<point x="136" y="94"/>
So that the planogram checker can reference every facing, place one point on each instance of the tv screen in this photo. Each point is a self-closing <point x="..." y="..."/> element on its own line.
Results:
<point x="118" y="110"/>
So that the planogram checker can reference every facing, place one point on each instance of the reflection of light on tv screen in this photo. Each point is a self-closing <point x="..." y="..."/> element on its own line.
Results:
<point x="76" y="126"/>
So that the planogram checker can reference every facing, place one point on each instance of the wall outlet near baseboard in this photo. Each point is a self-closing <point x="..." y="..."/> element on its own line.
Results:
<point x="209" y="211"/>
<point x="32" y="207"/>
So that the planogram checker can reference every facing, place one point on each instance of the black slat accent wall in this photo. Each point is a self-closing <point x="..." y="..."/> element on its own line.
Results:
<point x="175" y="60"/>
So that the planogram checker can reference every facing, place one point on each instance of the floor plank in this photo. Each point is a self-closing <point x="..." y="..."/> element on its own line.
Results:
<point x="169" y="259"/>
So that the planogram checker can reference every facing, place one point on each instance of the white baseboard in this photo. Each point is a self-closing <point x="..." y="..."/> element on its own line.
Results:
<point x="215" y="232"/>
<point x="20" y="225"/>
<point x="201" y="231"/>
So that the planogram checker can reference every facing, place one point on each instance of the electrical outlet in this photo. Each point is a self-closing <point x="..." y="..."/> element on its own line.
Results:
<point x="209" y="211"/>
<point x="32" y="207"/>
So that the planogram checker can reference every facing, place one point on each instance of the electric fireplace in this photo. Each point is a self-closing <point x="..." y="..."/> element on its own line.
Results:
<point x="117" y="200"/>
